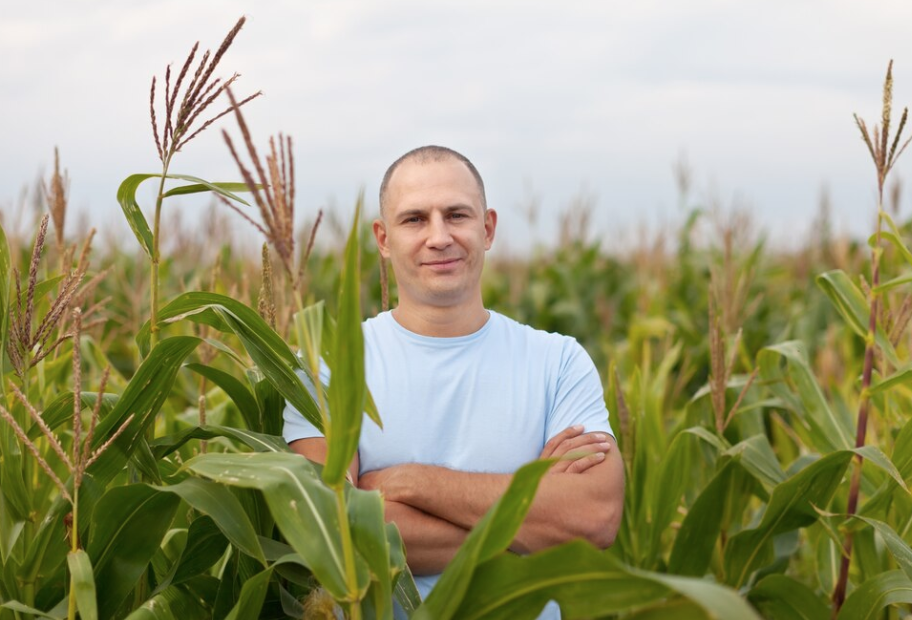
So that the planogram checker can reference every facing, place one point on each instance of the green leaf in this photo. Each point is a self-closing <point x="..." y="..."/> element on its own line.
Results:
<point x="586" y="583"/>
<point x="236" y="391"/>
<point x="900" y="377"/>
<point x="219" y="503"/>
<point x="897" y="546"/>
<point x="894" y="239"/>
<point x="223" y="189"/>
<point x="675" y="476"/>
<point x="268" y="350"/>
<point x="791" y="506"/>
<point x="829" y="431"/>
<point x="143" y="397"/>
<point x="346" y="391"/>
<point x="851" y="303"/>
<point x="404" y="591"/>
<point x="253" y="593"/>
<point x="868" y="599"/>
<point x="876" y="456"/>
<point x="83" y="584"/>
<point x="490" y="536"/>
<point x="756" y="455"/>
<point x="893" y="283"/>
<point x="303" y="507"/>
<point x="126" y="197"/>
<point x="60" y="410"/>
<point x="128" y="525"/>
<point x="173" y="603"/>
<point x="25" y="609"/>
<point x="718" y="601"/>
<point x="206" y="544"/>
<point x="369" y="534"/>
<point x="696" y="540"/>
<point x="272" y="407"/>
<point x="162" y="446"/>
<point x="778" y="596"/>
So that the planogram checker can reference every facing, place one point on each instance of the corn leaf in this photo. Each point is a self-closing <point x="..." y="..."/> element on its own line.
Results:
<point x="206" y="544"/>
<point x="868" y="599"/>
<point x="224" y="189"/>
<point x="490" y="536"/>
<point x="696" y="540"/>
<point x="142" y="398"/>
<point x="83" y="584"/>
<point x="756" y="455"/>
<point x="828" y="431"/>
<point x="346" y="391"/>
<point x="404" y="591"/>
<point x="128" y="525"/>
<point x="60" y="410"/>
<point x="25" y="609"/>
<point x="894" y="239"/>
<point x="172" y="603"/>
<point x="779" y="596"/>
<point x="126" y="197"/>
<point x="253" y="593"/>
<point x="268" y="350"/>
<point x="791" y="506"/>
<point x="369" y="534"/>
<point x="163" y="446"/>
<point x="236" y="391"/>
<point x="900" y="377"/>
<point x="224" y="508"/>
<point x="875" y="455"/>
<point x="303" y="507"/>
<point x="853" y="306"/>
<point x="586" y="583"/>
<point x="898" y="548"/>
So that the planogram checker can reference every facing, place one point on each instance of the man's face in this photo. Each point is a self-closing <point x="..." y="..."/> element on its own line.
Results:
<point x="435" y="232"/>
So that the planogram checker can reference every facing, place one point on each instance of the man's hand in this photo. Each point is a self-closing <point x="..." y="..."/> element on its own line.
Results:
<point x="392" y="482"/>
<point x="578" y="452"/>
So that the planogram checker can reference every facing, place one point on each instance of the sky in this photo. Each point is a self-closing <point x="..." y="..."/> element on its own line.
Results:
<point x="557" y="103"/>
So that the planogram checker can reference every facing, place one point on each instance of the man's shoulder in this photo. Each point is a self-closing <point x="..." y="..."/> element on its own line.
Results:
<point x="513" y="329"/>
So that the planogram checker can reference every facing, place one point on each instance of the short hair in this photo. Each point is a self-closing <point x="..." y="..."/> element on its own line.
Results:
<point x="426" y="154"/>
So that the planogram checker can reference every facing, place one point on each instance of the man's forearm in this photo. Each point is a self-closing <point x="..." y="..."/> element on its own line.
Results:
<point x="430" y="542"/>
<point x="566" y="506"/>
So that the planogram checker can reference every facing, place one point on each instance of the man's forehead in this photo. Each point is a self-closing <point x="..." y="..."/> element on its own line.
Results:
<point x="440" y="175"/>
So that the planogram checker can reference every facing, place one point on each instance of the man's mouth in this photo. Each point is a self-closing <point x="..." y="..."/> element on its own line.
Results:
<point x="441" y="264"/>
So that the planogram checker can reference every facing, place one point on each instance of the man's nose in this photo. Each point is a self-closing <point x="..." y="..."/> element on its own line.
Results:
<point x="439" y="233"/>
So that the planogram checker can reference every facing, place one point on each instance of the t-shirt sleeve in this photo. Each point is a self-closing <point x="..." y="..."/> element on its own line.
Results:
<point x="579" y="397"/>
<point x="296" y="425"/>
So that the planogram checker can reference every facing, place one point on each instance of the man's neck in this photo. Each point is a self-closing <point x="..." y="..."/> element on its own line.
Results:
<point x="442" y="322"/>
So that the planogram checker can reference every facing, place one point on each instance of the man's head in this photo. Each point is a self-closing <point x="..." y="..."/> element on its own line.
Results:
<point x="425" y="154"/>
<point x="435" y="228"/>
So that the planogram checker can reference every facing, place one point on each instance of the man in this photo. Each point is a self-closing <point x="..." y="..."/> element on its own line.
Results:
<point x="467" y="395"/>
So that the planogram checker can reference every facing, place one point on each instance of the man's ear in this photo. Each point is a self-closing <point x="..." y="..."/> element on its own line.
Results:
<point x="379" y="228"/>
<point x="490" y="223"/>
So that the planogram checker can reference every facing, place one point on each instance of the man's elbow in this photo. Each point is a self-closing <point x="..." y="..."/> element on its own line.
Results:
<point x="601" y="527"/>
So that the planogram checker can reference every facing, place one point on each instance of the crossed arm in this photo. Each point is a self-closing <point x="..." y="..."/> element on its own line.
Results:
<point x="435" y="507"/>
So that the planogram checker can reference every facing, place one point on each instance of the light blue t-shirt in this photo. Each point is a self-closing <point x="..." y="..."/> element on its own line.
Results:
<point x="487" y="402"/>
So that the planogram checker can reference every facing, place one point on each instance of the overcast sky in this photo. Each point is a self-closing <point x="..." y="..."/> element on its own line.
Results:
<point x="552" y="100"/>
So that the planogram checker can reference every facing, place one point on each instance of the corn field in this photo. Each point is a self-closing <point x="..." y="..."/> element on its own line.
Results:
<point x="760" y="398"/>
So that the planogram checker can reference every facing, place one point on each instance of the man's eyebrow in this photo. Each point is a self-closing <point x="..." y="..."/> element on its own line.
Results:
<point x="423" y="212"/>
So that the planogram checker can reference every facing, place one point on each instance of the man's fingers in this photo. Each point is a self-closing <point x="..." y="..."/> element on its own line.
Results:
<point x="590" y="441"/>
<point x="582" y="464"/>
<point x="557" y="440"/>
